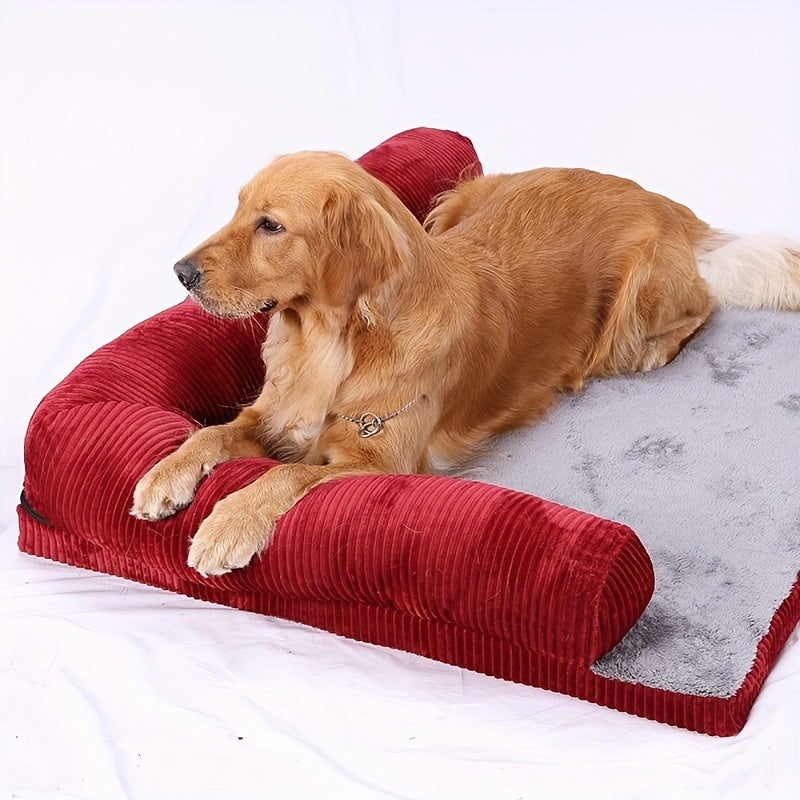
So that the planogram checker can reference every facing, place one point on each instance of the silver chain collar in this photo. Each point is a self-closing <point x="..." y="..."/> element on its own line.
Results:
<point x="369" y="424"/>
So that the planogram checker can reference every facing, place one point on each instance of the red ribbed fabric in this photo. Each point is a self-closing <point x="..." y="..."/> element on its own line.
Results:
<point x="467" y="573"/>
<point x="422" y="163"/>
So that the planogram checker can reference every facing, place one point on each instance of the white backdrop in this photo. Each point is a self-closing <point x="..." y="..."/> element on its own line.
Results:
<point x="127" y="128"/>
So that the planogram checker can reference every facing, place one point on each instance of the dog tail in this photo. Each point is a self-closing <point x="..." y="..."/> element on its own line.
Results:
<point x="750" y="271"/>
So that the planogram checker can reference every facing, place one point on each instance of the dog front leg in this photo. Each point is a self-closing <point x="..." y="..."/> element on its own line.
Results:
<point x="241" y="525"/>
<point x="170" y="485"/>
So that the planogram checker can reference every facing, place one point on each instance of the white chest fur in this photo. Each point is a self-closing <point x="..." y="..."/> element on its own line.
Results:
<point x="306" y="363"/>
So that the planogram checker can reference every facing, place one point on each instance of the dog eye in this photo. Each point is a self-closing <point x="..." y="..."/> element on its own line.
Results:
<point x="270" y="226"/>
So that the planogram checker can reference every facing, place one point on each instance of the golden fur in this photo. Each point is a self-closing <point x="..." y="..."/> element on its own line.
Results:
<point x="523" y="287"/>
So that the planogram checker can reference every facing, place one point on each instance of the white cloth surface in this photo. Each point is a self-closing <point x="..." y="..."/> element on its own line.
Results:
<point x="126" y="130"/>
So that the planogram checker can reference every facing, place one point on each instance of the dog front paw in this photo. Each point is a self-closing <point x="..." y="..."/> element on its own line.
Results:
<point x="168" y="487"/>
<point x="229" y="538"/>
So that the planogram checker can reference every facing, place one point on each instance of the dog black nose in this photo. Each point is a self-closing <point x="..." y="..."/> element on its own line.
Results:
<point x="187" y="273"/>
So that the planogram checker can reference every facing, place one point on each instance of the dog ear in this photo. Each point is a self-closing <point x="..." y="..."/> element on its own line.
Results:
<point x="366" y="245"/>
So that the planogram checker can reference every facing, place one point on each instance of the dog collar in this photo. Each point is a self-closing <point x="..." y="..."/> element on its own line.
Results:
<point x="369" y="424"/>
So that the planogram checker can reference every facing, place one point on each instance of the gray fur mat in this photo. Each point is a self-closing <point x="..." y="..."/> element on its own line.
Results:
<point x="701" y="458"/>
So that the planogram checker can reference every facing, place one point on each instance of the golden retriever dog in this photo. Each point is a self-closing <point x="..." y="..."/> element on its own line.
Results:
<point x="397" y="348"/>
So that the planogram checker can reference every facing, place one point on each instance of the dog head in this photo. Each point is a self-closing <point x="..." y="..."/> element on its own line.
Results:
<point x="310" y="229"/>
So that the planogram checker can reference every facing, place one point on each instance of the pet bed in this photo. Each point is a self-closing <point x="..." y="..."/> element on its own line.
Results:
<point x="468" y="573"/>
